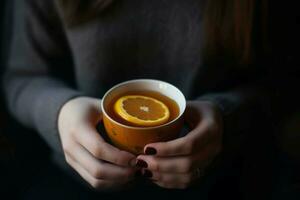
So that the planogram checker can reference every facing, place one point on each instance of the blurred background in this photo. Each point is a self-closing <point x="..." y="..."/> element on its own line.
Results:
<point x="21" y="163"/>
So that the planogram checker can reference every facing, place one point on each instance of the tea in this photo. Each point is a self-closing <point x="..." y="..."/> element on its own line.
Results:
<point x="170" y="103"/>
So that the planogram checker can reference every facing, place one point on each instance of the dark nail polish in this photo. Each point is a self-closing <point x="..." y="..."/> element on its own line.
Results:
<point x="147" y="174"/>
<point x="141" y="164"/>
<point x="150" y="151"/>
<point x="138" y="174"/>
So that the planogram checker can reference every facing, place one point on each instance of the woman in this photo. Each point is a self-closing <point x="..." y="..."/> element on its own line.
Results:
<point x="71" y="51"/>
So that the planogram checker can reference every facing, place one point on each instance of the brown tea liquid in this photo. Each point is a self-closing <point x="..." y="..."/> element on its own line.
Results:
<point x="170" y="103"/>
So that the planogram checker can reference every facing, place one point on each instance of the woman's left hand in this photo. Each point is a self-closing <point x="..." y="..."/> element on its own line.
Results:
<point x="179" y="163"/>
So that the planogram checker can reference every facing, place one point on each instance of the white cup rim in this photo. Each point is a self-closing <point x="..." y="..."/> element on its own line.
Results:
<point x="141" y="128"/>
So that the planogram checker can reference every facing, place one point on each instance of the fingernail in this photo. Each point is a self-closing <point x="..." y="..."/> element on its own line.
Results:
<point x="147" y="174"/>
<point x="138" y="174"/>
<point x="150" y="151"/>
<point x="141" y="164"/>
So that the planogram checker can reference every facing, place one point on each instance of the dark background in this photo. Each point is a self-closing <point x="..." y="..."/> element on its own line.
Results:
<point x="276" y="172"/>
<point x="20" y="161"/>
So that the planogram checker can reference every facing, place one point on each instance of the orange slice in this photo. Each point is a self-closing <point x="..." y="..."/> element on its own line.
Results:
<point x="142" y="110"/>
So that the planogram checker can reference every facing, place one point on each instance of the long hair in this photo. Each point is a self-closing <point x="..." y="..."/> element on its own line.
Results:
<point x="236" y="30"/>
<point x="228" y="25"/>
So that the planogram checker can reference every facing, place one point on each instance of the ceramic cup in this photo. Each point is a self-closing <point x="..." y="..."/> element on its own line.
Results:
<point x="133" y="139"/>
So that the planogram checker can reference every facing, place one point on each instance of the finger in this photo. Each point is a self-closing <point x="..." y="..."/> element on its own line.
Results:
<point x="177" y="164"/>
<point x="91" y="140"/>
<point x="100" y="169"/>
<point x="187" y="145"/>
<point x="95" y="183"/>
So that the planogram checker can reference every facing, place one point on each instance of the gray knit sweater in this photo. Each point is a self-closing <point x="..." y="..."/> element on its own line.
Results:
<point x="158" y="39"/>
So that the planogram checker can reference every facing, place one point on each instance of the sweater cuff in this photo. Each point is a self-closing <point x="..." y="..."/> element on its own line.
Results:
<point x="46" y="119"/>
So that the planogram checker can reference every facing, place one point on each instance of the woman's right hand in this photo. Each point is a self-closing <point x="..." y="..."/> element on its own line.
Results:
<point x="103" y="166"/>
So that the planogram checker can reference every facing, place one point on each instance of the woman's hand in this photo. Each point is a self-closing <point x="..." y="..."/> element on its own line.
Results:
<point x="103" y="166"/>
<point x="178" y="163"/>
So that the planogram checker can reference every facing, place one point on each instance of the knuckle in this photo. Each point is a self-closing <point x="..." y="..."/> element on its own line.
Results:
<point x="96" y="184"/>
<point x="67" y="147"/>
<point x="74" y="132"/>
<point x="97" y="173"/>
<point x="68" y="160"/>
<point x="212" y="126"/>
<point x="190" y="146"/>
<point x="97" y="151"/>
<point x="206" y="123"/>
